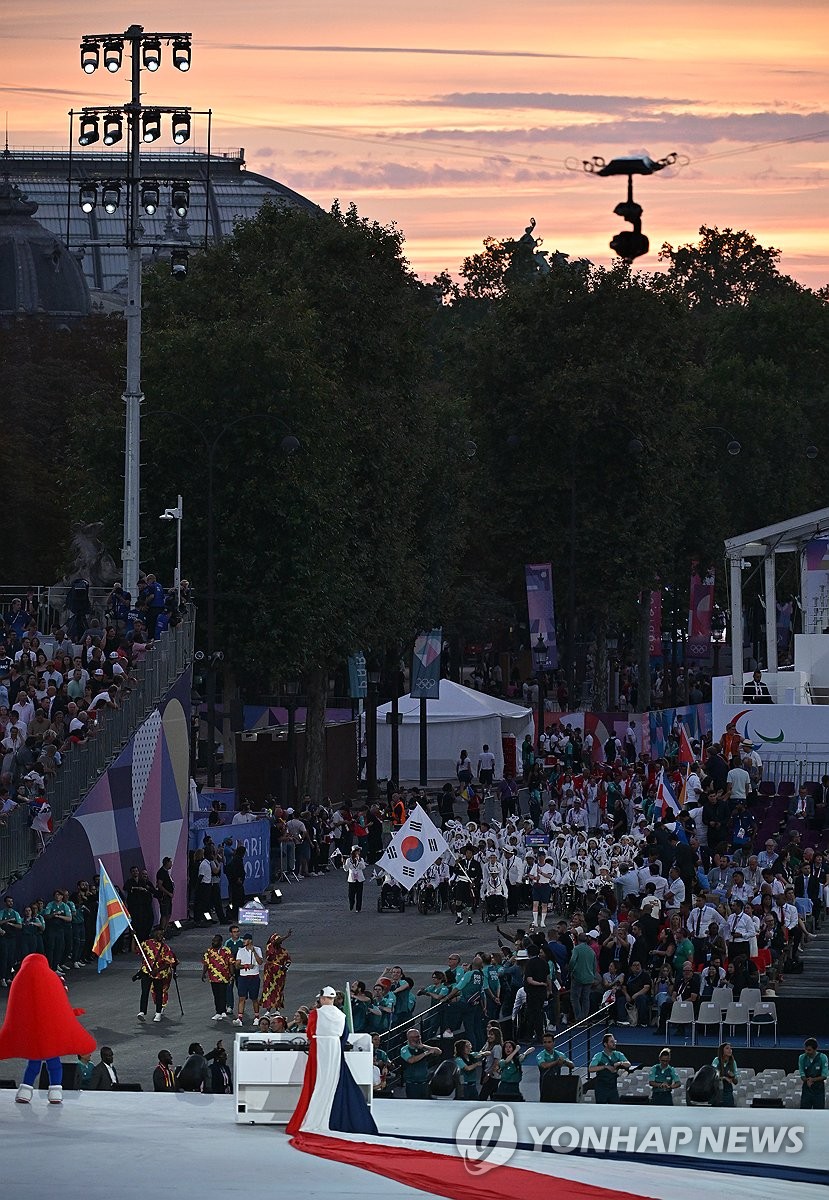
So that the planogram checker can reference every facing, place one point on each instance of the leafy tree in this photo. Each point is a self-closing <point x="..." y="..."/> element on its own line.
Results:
<point x="725" y="267"/>
<point x="48" y="374"/>
<point x="311" y="325"/>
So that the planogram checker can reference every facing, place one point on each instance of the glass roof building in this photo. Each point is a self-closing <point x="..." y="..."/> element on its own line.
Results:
<point x="221" y="192"/>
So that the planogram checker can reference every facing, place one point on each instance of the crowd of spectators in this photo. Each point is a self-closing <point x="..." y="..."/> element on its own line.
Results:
<point x="57" y="687"/>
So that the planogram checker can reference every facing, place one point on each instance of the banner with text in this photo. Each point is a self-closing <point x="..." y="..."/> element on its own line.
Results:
<point x="357" y="676"/>
<point x="541" y="610"/>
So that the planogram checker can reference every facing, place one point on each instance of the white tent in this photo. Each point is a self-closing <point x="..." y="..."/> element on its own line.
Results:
<point x="462" y="719"/>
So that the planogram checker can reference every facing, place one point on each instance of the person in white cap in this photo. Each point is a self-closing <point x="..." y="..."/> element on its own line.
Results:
<point x="330" y="1099"/>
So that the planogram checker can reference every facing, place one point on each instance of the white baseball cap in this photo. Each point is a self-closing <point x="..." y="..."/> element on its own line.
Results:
<point x="329" y="992"/>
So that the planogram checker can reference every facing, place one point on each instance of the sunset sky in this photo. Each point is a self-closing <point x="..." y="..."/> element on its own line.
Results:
<point x="457" y="119"/>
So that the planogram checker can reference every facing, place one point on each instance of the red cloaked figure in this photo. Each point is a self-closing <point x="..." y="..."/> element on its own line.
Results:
<point x="40" y="1022"/>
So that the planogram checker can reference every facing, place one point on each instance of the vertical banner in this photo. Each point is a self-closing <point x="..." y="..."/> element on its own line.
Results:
<point x="816" y="599"/>
<point x="357" y="677"/>
<point x="426" y="665"/>
<point x="539" y="579"/>
<point x="700" y="610"/>
<point x="655" y="625"/>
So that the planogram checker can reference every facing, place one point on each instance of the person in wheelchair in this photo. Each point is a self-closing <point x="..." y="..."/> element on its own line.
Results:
<point x="391" y="893"/>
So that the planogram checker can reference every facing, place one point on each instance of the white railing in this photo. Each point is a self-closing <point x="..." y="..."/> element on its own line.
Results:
<point x="781" y="691"/>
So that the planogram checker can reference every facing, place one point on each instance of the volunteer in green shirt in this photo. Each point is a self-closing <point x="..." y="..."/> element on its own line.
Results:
<point x="509" y="1072"/>
<point x="469" y="993"/>
<point x="84" y="1071"/>
<point x="814" y="1068"/>
<point x="583" y="971"/>
<point x="57" y="916"/>
<point x="11" y="924"/>
<point x="549" y="1062"/>
<point x="468" y="1064"/>
<point x="415" y="1056"/>
<point x="606" y="1066"/>
<point x="726" y="1066"/>
<point x="234" y="944"/>
<point x="663" y="1080"/>
<point x="437" y="990"/>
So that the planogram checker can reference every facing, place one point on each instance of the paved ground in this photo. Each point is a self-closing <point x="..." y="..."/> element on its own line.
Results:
<point x="330" y="945"/>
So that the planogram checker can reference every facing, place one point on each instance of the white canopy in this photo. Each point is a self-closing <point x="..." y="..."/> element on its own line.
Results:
<point x="462" y="719"/>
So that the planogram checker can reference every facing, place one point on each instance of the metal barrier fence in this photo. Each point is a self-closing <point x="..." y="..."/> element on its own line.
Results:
<point x="578" y="1042"/>
<point x="581" y="1041"/>
<point x="50" y="602"/>
<point x="82" y="765"/>
<point x="797" y="770"/>
<point x="430" y="1022"/>
<point x="785" y="689"/>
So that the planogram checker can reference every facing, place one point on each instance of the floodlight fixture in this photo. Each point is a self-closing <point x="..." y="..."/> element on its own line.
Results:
<point x="181" y="54"/>
<point x="151" y="53"/>
<point x="90" y="57"/>
<point x="111" y="196"/>
<point x="113" y="128"/>
<point x="87" y="197"/>
<point x="151" y="125"/>
<point x="89" y="130"/>
<point x="181" y="199"/>
<point x="113" y="54"/>
<point x="181" y="127"/>
<point x="150" y="196"/>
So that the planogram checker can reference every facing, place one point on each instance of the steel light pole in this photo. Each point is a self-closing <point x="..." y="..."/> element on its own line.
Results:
<point x="373" y="674"/>
<point x="291" y="690"/>
<point x="289" y="445"/>
<point x="176" y="514"/>
<point x="540" y="660"/>
<point x="145" y="52"/>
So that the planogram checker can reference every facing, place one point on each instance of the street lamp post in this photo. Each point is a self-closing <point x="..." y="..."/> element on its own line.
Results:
<point x="288" y="445"/>
<point x="373" y="674"/>
<point x="176" y="514"/>
<point x="291" y="690"/>
<point x="145" y="49"/>
<point x="540" y="660"/>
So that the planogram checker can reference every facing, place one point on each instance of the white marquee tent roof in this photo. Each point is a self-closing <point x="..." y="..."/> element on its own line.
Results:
<point x="457" y="703"/>
<point x="461" y="719"/>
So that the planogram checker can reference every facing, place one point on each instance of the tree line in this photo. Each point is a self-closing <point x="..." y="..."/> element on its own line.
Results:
<point x="448" y="433"/>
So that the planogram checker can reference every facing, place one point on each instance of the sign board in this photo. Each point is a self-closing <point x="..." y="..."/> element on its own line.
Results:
<point x="357" y="676"/>
<point x="255" y="836"/>
<point x="254" y="914"/>
<point x="536" y="839"/>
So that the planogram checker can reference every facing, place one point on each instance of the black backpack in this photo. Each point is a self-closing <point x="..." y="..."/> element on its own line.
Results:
<point x="705" y="1087"/>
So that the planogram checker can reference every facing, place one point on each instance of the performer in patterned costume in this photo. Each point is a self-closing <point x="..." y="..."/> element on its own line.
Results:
<point x="157" y="965"/>
<point x="277" y="961"/>
<point x="218" y="968"/>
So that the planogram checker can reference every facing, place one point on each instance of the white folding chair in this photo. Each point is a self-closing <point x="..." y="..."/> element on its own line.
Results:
<point x="736" y="1017"/>
<point x="750" y="997"/>
<point x="722" y="996"/>
<point x="765" y="1014"/>
<point x="709" y="1014"/>
<point x="682" y="1013"/>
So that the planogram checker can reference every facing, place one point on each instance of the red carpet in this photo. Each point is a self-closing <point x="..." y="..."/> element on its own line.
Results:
<point x="447" y="1175"/>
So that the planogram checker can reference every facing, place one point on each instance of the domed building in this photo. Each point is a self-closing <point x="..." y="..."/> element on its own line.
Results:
<point x="221" y="192"/>
<point x="38" y="275"/>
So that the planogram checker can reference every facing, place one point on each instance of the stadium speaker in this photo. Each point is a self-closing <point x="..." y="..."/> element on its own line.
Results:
<point x="768" y="1102"/>
<point x="561" y="1089"/>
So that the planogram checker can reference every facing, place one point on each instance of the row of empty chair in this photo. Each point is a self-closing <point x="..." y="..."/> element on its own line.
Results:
<point x="725" y="1014"/>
